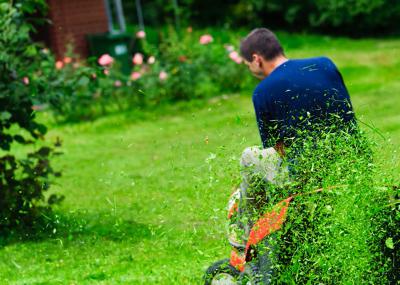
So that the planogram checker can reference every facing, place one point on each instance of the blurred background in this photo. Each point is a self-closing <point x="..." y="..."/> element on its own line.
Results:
<point x="74" y="20"/>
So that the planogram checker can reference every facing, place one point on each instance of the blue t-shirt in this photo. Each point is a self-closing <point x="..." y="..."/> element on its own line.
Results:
<point x="298" y="96"/>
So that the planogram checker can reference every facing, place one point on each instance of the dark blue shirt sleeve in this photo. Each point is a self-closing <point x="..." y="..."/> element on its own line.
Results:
<point x="263" y="116"/>
<point x="349" y="115"/>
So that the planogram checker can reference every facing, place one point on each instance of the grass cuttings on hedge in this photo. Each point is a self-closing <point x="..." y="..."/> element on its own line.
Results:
<point x="348" y="233"/>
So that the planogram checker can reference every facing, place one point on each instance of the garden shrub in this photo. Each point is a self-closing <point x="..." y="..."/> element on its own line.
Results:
<point x="195" y="69"/>
<point x="79" y="90"/>
<point x="182" y="67"/>
<point x="346" y="17"/>
<point x="73" y="90"/>
<point x="24" y="175"/>
<point x="355" y="17"/>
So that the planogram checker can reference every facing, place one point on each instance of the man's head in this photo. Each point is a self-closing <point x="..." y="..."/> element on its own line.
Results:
<point x="260" y="49"/>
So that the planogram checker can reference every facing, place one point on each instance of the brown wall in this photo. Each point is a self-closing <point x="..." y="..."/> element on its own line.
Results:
<point x="72" y="20"/>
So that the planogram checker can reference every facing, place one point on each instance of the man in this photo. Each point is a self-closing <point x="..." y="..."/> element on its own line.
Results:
<point x="295" y="100"/>
<point x="295" y="96"/>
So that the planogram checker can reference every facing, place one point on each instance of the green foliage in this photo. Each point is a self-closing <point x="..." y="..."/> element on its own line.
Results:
<point x="194" y="70"/>
<point x="30" y="7"/>
<point x="183" y="70"/>
<point x="358" y="16"/>
<point x="346" y="17"/>
<point x="159" y="12"/>
<point x="22" y="180"/>
<point x="70" y="90"/>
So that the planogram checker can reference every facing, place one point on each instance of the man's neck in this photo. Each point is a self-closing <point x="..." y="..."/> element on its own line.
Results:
<point x="271" y="65"/>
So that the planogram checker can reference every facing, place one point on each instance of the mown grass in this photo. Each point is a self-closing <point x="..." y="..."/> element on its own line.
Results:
<point x="145" y="198"/>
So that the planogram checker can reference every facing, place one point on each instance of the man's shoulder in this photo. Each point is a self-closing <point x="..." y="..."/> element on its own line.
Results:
<point x="277" y="81"/>
<point x="269" y="84"/>
<point x="324" y="60"/>
<point x="266" y="86"/>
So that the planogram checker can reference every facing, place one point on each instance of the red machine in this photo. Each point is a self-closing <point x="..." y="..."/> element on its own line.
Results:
<point x="246" y="265"/>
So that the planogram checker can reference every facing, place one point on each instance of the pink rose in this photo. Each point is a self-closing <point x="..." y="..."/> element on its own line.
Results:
<point x="106" y="72"/>
<point x="205" y="39"/>
<point x="163" y="75"/>
<point x="151" y="60"/>
<point x="239" y="60"/>
<point x="117" y="83"/>
<point x="59" y="64"/>
<point x="137" y="59"/>
<point x="105" y="59"/>
<point x="67" y="60"/>
<point x="141" y="35"/>
<point x="235" y="57"/>
<point x="25" y="80"/>
<point x="135" y="75"/>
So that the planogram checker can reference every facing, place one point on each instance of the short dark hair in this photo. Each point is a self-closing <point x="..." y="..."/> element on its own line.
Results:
<point x="261" y="41"/>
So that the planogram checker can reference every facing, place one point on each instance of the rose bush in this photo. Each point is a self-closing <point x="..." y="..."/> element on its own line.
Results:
<point x="23" y="178"/>
<point x="182" y="67"/>
<point x="192" y="65"/>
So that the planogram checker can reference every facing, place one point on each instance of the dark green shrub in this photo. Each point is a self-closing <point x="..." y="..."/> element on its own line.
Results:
<point x="347" y="17"/>
<point x="355" y="17"/>
<point x="24" y="177"/>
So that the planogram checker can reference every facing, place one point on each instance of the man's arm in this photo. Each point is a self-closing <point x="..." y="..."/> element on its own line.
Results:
<point x="268" y="131"/>
<point x="348" y="113"/>
<point x="262" y="128"/>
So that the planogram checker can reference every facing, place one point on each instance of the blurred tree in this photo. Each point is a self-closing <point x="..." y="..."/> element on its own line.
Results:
<point x="158" y="12"/>
<point x="351" y="17"/>
<point x="356" y="16"/>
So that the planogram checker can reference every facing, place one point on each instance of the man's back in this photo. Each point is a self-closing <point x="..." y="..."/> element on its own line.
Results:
<point x="300" y="95"/>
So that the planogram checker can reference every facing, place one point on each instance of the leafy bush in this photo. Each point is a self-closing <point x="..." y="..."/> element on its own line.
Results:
<point x="348" y="17"/>
<point x="23" y="179"/>
<point x="197" y="66"/>
<point x="357" y="17"/>
<point x="180" y="68"/>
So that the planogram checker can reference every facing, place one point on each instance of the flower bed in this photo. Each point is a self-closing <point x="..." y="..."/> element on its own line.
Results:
<point x="182" y="67"/>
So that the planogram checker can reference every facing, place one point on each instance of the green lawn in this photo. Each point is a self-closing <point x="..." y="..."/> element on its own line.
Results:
<point x="145" y="199"/>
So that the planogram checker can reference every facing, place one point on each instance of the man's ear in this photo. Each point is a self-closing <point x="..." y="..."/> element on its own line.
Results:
<point x="257" y="59"/>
